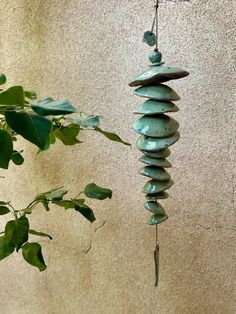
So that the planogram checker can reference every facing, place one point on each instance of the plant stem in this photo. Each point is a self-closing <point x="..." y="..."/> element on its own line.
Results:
<point x="14" y="211"/>
<point x="79" y="194"/>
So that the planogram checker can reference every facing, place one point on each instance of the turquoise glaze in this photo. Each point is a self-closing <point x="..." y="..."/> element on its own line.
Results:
<point x="154" y="186"/>
<point x="153" y="107"/>
<point x="157" y="219"/>
<point x="158" y="131"/>
<point x="149" y="38"/>
<point x="155" y="144"/>
<point x="158" y="74"/>
<point x="158" y="162"/>
<point x="157" y="173"/>
<point x="156" y="126"/>
<point x="155" y="56"/>
<point x="157" y="92"/>
<point x="162" y="153"/>
<point x="156" y="196"/>
<point x="154" y="208"/>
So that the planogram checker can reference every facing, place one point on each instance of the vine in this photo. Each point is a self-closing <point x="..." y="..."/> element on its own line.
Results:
<point x="42" y="123"/>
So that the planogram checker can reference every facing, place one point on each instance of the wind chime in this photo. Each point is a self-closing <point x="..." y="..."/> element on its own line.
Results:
<point x="158" y="130"/>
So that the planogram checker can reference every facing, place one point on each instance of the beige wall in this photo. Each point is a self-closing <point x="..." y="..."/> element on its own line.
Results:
<point x="87" y="51"/>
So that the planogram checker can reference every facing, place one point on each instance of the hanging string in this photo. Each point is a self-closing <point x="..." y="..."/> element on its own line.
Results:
<point x="156" y="251"/>
<point x="156" y="259"/>
<point x="156" y="11"/>
<point x="156" y="235"/>
<point x="155" y="22"/>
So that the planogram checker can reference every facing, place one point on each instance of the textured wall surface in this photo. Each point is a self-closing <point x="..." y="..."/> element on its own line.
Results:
<point x="87" y="51"/>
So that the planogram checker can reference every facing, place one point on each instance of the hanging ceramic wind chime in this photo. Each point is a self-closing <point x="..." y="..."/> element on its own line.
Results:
<point x="158" y="130"/>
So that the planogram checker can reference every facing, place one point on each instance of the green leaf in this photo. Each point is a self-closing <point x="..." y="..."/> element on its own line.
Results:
<point x="94" y="191"/>
<point x="13" y="96"/>
<point x="86" y="121"/>
<point x="91" y="121"/>
<point x="33" y="128"/>
<point x="17" y="158"/>
<point x="68" y="134"/>
<point x="16" y="232"/>
<point x="4" y="210"/>
<point x="6" y="149"/>
<point x="78" y="205"/>
<point x="5" y="248"/>
<point x="45" y="204"/>
<point x="31" y="95"/>
<point x="3" y="79"/>
<point x="111" y="136"/>
<point x="64" y="203"/>
<point x="49" y="106"/>
<point x="69" y="203"/>
<point x="55" y="194"/>
<point x="86" y="212"/>
<point x="32" y="253"/>
<point x="40" y="234"/>
<point x="78" y="201"/>
<point x="4" y="203"/>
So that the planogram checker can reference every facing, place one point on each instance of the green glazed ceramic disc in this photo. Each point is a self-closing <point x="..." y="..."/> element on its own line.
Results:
<point x="155" y="196"/>
<point x="157" y="92"/>
<point x="157" y="173"/>
<point x="155" y="208"/>
<point x="163" y="153"/>
<point x="154" y="186"/>
<point x="149" y="38"/>
<point x="157" y="219"/>
<point x="158" y="162"/>
<point x="154" y="144"/>
<point x="151" y="107"/>
<point x="156" y="126"/>
<point x="158" y="74"/>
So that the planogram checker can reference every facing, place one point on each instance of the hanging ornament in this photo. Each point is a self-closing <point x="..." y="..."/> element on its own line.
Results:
<point x="158" y="130"/>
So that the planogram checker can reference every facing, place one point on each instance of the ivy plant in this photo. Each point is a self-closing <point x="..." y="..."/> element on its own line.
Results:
<point x="42" y="123"/>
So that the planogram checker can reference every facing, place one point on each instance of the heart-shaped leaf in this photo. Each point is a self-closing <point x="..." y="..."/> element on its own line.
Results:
<point x="13" y="96"/>
<point x="4" y="203"/>
<point x="86" y="121"/>
<point x="40" y="234"/>
<point x="31" y="95"/>
<point x="94" y="191"/>
<point x="32" y="253"/>
<point x="49" y="106"/>
<point x="33" y="128"/>
<point x="17" y="158"/>
<point x="16" y="232"/>
<point x="6" y="149"/>
<point x="64" y="203"/>
<point x="4" y="210"/>
<point x="68" y="134"/>
<point x="3" y="79"/>
<point x="55" y="194"/>
<point x="86" y="212"/>
<point x="5" y="248"/>
<point x="112" y="136"/>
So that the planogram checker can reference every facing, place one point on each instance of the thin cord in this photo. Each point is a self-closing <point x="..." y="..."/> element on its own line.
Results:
<point x="156" y="235"/>
<point x="156" y="251"/>
<point x="157" y="37"/>
<point x="156" y="259"/>
<point x="155" y="22"/>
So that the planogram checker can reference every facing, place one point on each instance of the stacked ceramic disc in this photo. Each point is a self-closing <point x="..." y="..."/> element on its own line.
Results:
<point x="158" y="131"/>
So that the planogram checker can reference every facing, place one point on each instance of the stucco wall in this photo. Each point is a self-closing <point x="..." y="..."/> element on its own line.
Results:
<point x="87" y="51"/>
